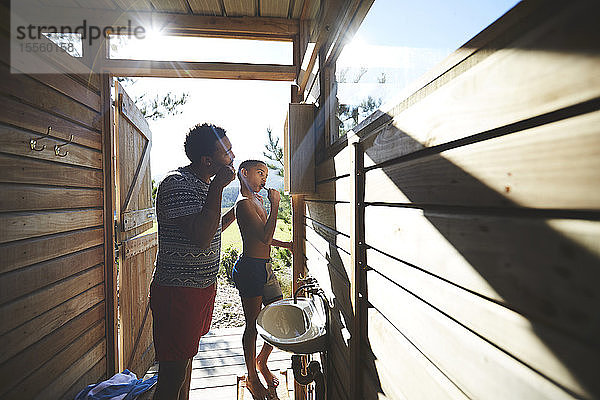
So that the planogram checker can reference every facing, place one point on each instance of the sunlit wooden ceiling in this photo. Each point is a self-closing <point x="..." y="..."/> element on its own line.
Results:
<point x="291" y="9"/>
<point x="297" y="21"/>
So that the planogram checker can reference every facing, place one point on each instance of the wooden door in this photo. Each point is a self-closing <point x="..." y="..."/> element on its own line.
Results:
<point x="53" y="303"/>
<point x="135" y="234"/>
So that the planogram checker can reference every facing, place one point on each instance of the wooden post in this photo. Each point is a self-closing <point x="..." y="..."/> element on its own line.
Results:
<point x="298" y="237"/>
<point x="332" y="104"/>
<point x="296" y="54"/>
<point x="298" y="263"/>
<point x="358" y="280"/>
<point x="110" y="272"/>
<point x="296" y="96"/>
<point x="326" y="106"/>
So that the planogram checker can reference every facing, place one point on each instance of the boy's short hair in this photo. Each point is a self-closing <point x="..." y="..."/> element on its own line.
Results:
<point x="201" y="140"/>
<point x="248" y="164"/>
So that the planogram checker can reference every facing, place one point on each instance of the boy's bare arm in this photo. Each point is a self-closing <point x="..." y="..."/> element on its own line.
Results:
<point x="279" y="243"/>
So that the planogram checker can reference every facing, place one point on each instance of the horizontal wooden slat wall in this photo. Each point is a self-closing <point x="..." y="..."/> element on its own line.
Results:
<point x="481" y="222"/>
<point x="52" y="273"/>
<point x="482" y="225"/>
<point x="328" y="259"/>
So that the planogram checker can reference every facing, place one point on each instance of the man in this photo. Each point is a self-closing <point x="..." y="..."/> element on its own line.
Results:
<point x="252" y="273"/>
<point x="182" y="293"/>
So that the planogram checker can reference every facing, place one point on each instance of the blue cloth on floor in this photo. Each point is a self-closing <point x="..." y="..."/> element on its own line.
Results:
<point x="122" y="386"/>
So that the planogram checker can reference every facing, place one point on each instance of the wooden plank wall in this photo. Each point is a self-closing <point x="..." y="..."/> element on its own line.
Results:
<point x="52" y="292"/>
<point x="328" y="258"/>
<point x="482" y="227"/>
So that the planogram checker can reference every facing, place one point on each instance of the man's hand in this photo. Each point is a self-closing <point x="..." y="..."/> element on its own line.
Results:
<point x="225" y="175"/>
<point x="273" y="196"/>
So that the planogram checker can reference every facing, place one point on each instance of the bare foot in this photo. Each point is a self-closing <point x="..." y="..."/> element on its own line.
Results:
<point x="272" y="381"/>
<point x="256" y="388"/>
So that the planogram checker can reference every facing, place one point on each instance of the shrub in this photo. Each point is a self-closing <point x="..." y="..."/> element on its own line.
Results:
<point x="228" y="258"/>
<point x="281" y="260"/>
<point x="282" y="267"/>
<point x="285" y="208"/>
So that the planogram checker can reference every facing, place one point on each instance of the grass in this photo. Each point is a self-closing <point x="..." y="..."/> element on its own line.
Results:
<point x="231" y="237"/>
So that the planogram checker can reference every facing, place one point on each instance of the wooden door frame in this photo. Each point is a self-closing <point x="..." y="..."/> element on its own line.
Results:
<point x="110" y="182"/>
<point x="110" y="278"/>
<point x="114" y="361"/>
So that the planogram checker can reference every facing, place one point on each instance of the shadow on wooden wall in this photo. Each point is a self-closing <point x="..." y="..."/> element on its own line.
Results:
<point x="464" y="216"/>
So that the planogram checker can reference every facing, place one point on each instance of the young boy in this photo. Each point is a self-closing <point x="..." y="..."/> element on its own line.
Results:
<point x="252" y="272"/>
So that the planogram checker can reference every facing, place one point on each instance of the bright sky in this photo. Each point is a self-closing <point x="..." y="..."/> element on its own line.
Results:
<point x="245" y="109"/>
<point x="400" y="38"/>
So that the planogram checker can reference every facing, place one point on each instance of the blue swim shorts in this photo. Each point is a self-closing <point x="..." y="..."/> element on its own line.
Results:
<point x="254" y="277"/>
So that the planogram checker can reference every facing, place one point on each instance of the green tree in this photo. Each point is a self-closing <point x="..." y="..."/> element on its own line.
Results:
<point x="359" y="75"/>
<point x="282" y="258"/>
<point x="274" y="152"/>
<point x="159" y="106"/>
<point x="154" y="191"/>
<point x="349" y="115"/>
<point x="346" y="112"/>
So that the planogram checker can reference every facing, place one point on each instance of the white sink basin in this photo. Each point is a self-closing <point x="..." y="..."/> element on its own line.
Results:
<point x="297" y="328"/>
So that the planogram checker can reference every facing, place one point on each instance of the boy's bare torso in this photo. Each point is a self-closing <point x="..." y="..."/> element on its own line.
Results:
<point x="253" y="246"/>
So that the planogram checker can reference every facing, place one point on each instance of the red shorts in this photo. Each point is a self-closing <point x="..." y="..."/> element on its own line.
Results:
<point x="181" y="315"/>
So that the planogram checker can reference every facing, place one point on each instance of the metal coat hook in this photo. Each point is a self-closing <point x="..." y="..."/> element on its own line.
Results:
<point x="33" y="142"/>
<point x="58" y="147"/>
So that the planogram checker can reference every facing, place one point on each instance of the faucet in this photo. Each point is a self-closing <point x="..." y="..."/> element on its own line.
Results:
<point x="309" y="285"/>
<point x="309" y="288"/>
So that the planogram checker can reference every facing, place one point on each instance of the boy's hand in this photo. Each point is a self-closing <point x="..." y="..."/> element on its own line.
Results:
<point x="273" y="196"/>
<point x="225" y="175"/>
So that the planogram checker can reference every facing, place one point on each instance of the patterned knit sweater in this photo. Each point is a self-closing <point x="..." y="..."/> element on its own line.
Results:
<point x="180" y="262"/>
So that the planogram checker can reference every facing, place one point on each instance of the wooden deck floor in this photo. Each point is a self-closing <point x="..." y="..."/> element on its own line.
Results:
<point x="220" y="360"/>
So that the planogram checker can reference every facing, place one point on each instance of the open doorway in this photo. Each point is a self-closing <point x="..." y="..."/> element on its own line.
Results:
<point x="248" y="111"/>
<point x="253" y="114"/>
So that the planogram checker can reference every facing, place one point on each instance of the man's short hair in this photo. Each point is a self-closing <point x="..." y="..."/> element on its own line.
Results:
<point x="202" y="140"/>
<point x="248" y="164"/>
